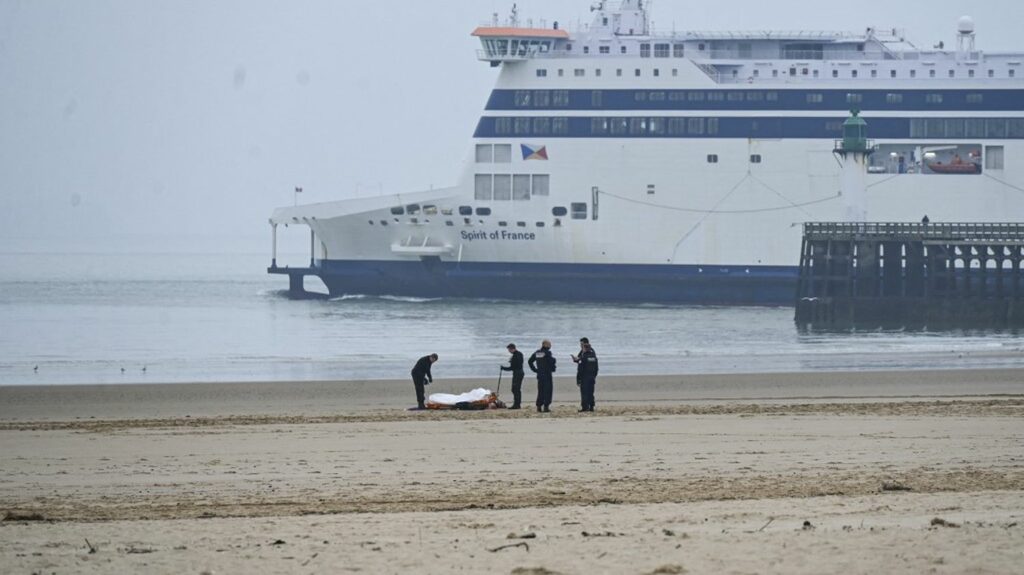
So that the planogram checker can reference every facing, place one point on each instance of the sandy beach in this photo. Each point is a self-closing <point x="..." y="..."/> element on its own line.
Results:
<point x="809" y="473"/>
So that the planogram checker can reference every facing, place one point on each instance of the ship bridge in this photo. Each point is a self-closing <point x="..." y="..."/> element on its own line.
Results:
<point x="513" y="44"/>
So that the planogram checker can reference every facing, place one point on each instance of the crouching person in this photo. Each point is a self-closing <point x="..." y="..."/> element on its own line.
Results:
<point x="421" y="377"/>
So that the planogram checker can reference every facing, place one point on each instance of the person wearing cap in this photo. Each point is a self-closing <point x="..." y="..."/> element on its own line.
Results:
<point x="515" y="365"/>
<point x="586" y="374"/>
<point x="542" y="362"/>
<point x="421" y="377"/>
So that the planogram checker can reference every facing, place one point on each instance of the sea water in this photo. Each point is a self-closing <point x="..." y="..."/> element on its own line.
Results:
<point x="111" y="318"/>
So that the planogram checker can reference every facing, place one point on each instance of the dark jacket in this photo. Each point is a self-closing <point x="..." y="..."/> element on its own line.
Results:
<point x="542" y="362"/>
<point x="587" y="366"/>
<point x="515" y="363"/>
<point x="422" y="369"/>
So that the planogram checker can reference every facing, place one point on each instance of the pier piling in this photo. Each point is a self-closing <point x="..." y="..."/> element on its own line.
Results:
<point x="911" y="275"/>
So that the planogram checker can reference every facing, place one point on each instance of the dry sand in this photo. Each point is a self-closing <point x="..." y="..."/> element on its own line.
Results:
<point x="887" y="485"/>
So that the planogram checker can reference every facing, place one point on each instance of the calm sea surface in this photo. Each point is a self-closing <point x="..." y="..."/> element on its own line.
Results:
<point x="207" y="318"/>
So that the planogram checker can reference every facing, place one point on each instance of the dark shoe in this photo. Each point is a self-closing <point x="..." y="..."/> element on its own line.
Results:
<point x="540" y="409"/>
<point x="515" y="407"/>
<point x="547" y="409"/>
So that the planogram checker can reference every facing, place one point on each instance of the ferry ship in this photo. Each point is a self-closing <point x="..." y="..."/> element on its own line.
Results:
<point x="616" y="163"/>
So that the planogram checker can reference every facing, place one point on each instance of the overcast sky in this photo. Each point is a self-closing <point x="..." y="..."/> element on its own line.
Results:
<point x="124" y="118"/>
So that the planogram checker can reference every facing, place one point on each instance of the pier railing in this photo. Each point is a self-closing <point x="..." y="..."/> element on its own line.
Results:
<point x="953" y="232"/>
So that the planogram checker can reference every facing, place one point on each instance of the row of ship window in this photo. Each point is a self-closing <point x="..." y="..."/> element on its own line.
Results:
<point x="660" y="50"/>
<point x="654" y="126"/>
<point x="613" y="126"/>
<point x="560" y="98"/>
<point x="988" y="128"/>
<point x="532" y="126"/>
<point x="815" y="73"/>
<point x="598" y="72"/>
<point x="511" y="187"/>
<point x="494" y="153"/>
<point x="854" y="73"/>
<point x="576" y="210"/>
<point x="995" y="128"/>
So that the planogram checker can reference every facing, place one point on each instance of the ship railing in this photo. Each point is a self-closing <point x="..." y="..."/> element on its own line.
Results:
<point x="789" y="56"/>
<point x="521" y="24"/>
<point x="711" y="71"/>
<point x="965" y="232"/>
<point x="839" y="146"/>
<point x="772" y="35"/>
<point x="800" y="55"/>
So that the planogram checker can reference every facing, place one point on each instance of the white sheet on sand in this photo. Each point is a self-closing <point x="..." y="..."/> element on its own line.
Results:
<point x="468" y="397"/>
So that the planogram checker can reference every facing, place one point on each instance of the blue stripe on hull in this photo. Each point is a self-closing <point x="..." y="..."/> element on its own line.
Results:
<point x="772" y="128"/>
<point x="932" y="100"/>
<point x="707" y="285"/>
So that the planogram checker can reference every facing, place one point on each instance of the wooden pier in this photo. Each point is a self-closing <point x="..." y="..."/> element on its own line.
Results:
<point x="911" y="275"/>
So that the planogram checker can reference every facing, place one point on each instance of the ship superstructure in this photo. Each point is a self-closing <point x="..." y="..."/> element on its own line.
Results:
<point x="618" y="163"/>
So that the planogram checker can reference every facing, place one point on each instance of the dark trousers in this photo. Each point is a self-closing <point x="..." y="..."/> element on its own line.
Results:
<point x="517" y="388"/>
<point x="545" y="389"/>
<point x="587" y="385"/>
<point x="418" y="381"/>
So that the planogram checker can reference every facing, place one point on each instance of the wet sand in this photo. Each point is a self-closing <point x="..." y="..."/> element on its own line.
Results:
<point x="887" y="483"/>
<point x="333" y="397"/>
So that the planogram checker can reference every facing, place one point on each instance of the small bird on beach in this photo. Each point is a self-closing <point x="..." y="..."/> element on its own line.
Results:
<point x="36" y="369"/>
<point x="143" y="369"/>
<point x="122" y="370"/>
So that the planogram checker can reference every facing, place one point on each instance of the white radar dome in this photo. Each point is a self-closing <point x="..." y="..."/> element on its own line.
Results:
<point x="965" y="25"/>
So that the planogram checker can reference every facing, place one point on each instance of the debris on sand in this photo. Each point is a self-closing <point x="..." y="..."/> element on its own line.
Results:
<point x="669" y="570"/>
<point x="527" y="535"/>
<point x="523" y="544"/>
<point x="808" y="526"/>
<point x="765" y="526"/>
<point x="939" y="522"/>
<point x="895" y="486"/>
<point x="23" y="516"/>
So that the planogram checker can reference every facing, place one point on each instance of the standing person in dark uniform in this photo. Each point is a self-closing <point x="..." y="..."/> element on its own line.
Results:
<point x="586" y="374"/>
<point x="515" y="365"/>
<point x="576" y="359"/>
<point x="543" y="364"/>
<point x="421" y="377"/>
<point x="579" y="366"/>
